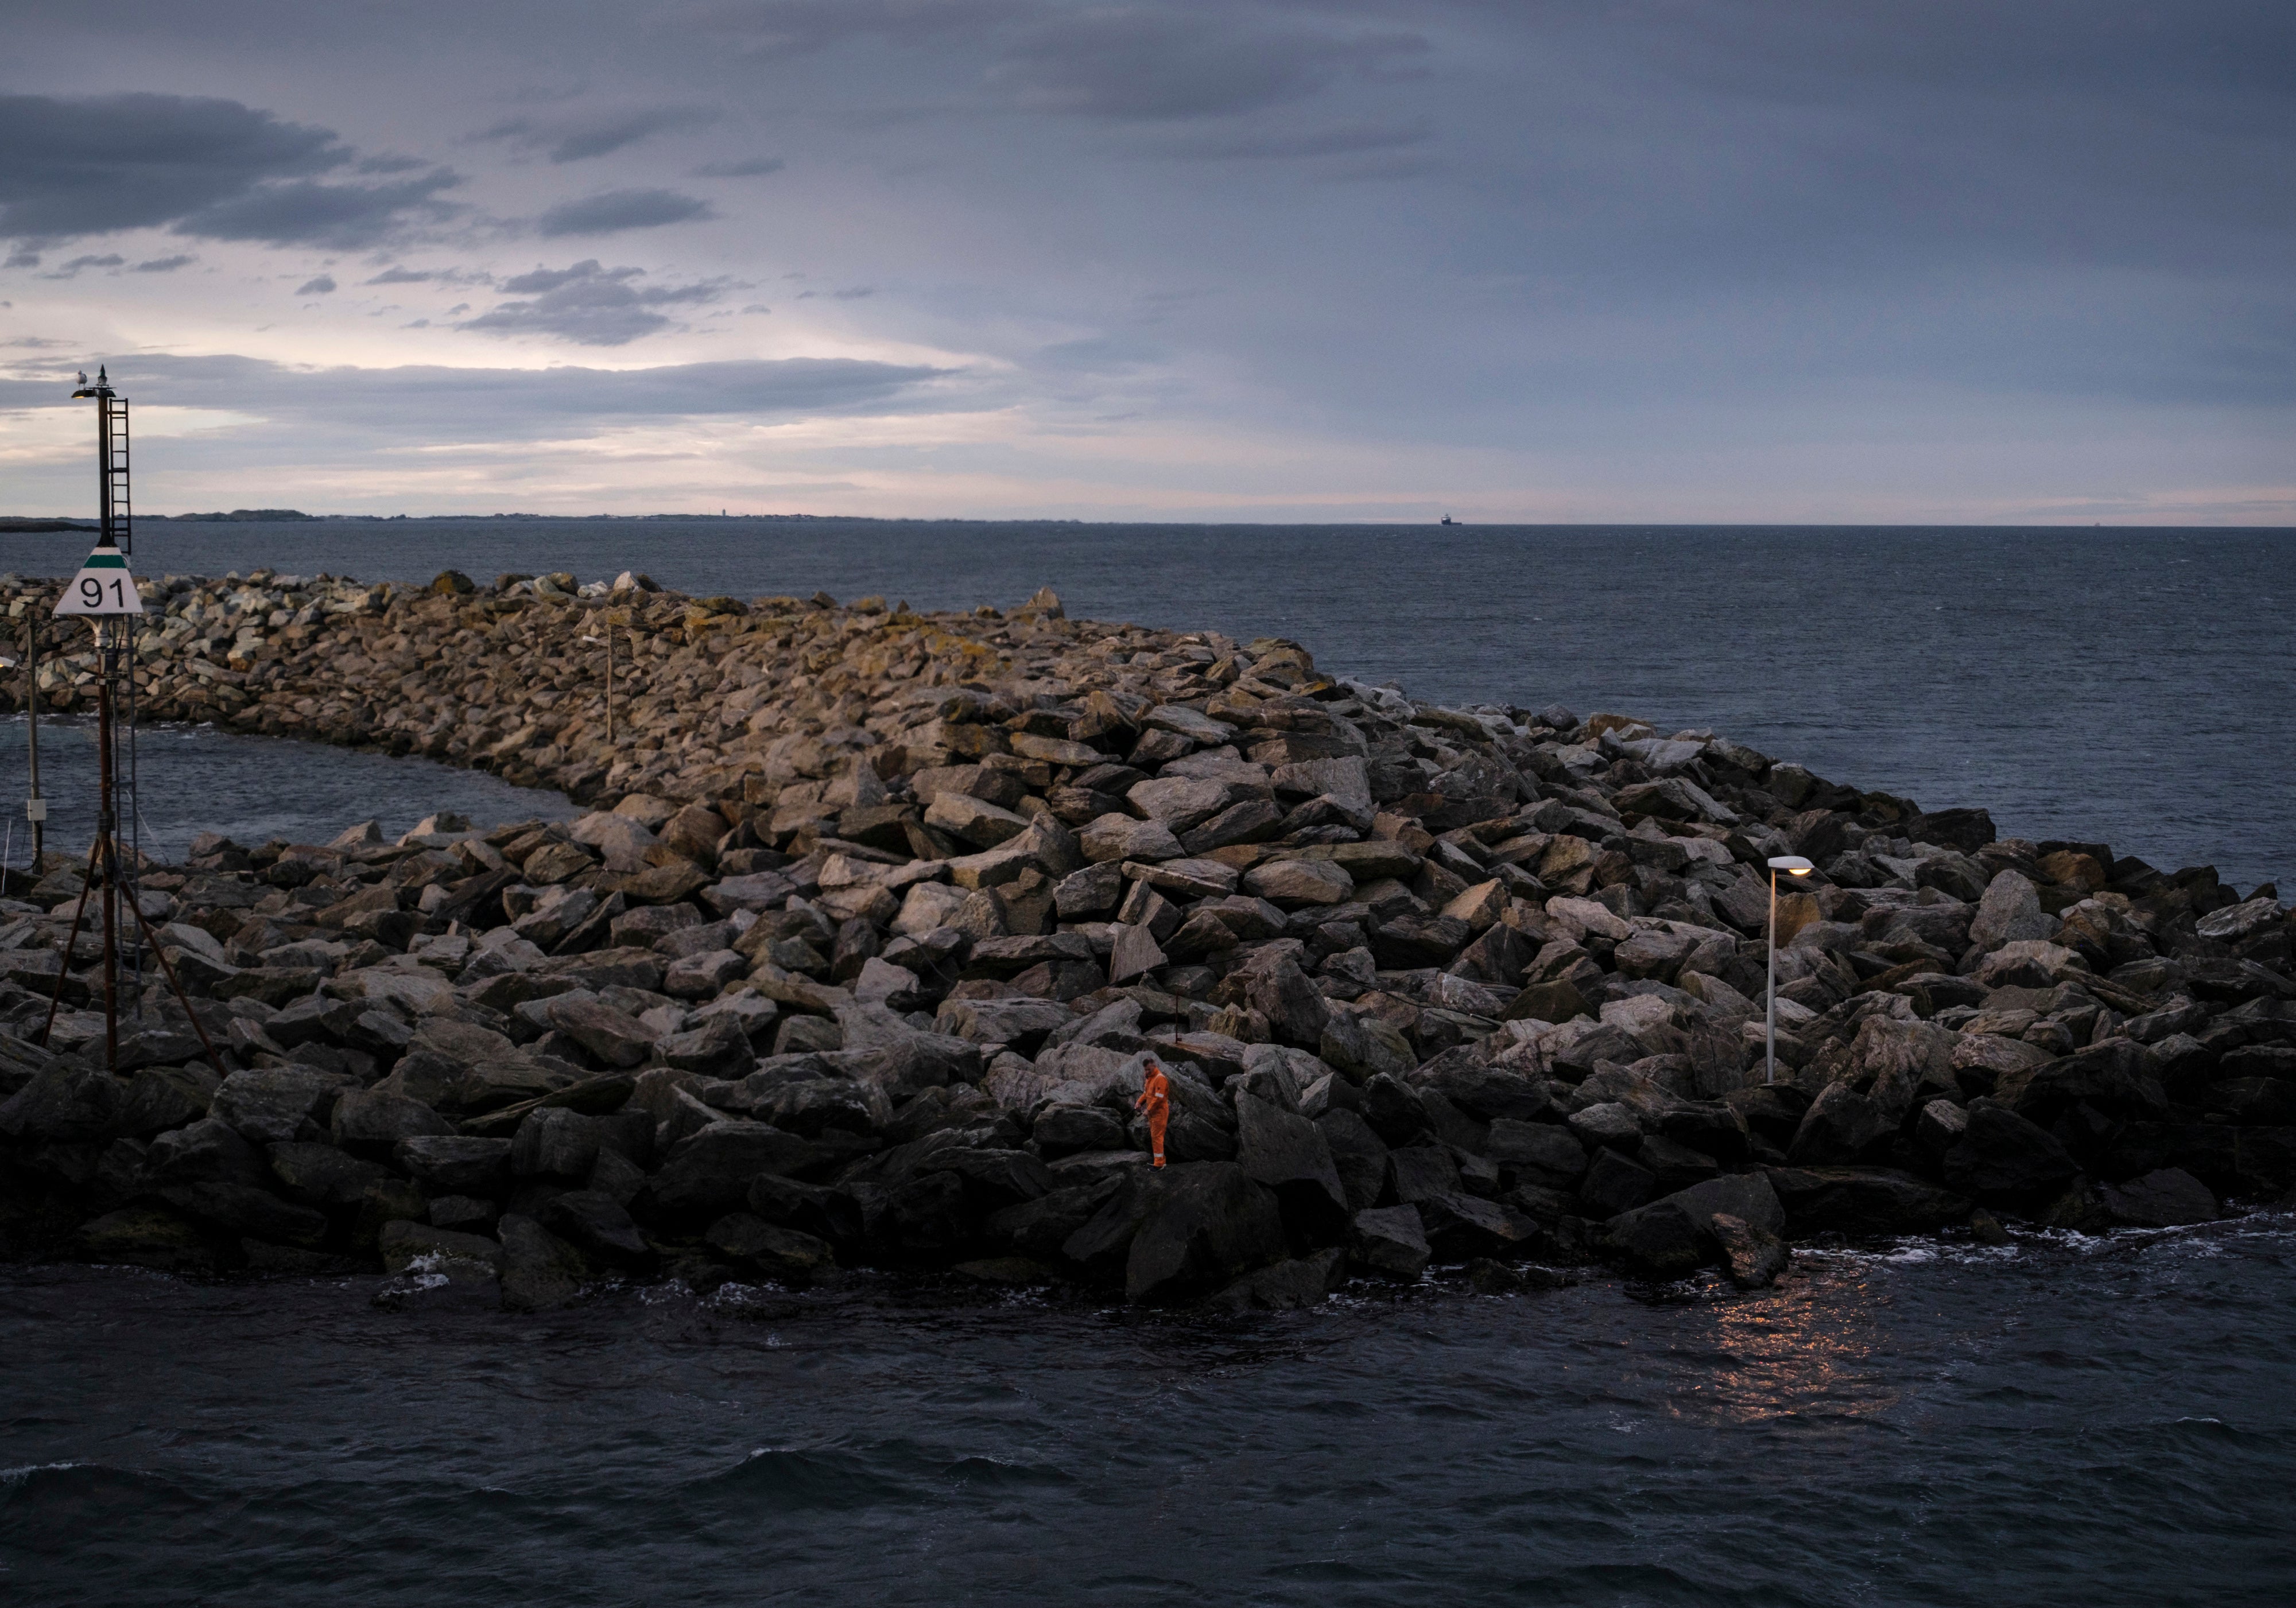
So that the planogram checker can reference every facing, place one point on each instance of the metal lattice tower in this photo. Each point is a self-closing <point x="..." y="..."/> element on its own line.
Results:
<point x="114" y="501"/>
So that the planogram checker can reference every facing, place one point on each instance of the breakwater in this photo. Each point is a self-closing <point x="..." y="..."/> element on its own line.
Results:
<point x="862" y="966"/>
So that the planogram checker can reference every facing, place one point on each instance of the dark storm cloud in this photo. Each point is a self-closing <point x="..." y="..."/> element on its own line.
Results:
<point x="305" y="212"/>
<point x="573" y="137"/>
<point x="461" y="406"/>
<point x="616" y="210"/>
<point x="211" y="169"/>
<point x="90" y="165"/>
<point x="754" y="167"/>
<point x="588" y="305"/>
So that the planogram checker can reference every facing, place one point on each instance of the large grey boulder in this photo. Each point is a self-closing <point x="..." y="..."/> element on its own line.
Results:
<point x="66" y="1104"/>
<point x="1391" y="1242"/>
<point x="707" y="1174"/>
<point x="371" y="1121"/>
<point x="1839" y="1126"/>
<point x="1209" y="1223"/>
<point x="268" y="1105"/>
<point x="2010" y="911"/>
<point x="2169" y="1198"/>
<point x="1863" y="1200"/>
<point x="455" y="1164"/>
<point x="1358" y="1156"/>
<point x="2004" y="1160"/>
<point x="321" y="1176"/>
<point x="538" y="1270"/>
<point x="1290" y="1155"/>
<point x="1544" y="1153"/>
<point x="1674" y="1235"/>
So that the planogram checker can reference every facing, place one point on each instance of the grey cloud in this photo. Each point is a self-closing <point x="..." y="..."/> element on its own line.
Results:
<point x="588" y="305"/>
<point x="856" y="293"/>
<point x="324" y="285"/>
<point x="304" y="212"/>
<point x="615" y="210"/>
<point x="1345" y="140"/>
<point x="797" y="28"/>
<point x="401" y="277"/>
<point x="755" y="167"/>
<point x="165" y="264"/>
<point x="431" y="403"/>
<point x="574" y="137"/>
<point x="550" y="279"/>
<point x="109" y="260"/>
<point x="91" y="166"/>
<point x="1137" y="63"/>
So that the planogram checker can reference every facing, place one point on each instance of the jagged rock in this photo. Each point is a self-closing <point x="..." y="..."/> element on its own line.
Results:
<point x="1289" y="1155"/>
<point x="1545" y="1154"/>
<point x="707" y="1174"/>
<point x="1613" y="1185"/>
<point x="66" y="1104"/>
<point x="1674" y="1236"/>
<point x="321" y="1176"/>
<point x="2169" y="1198"/>
<point x="452" y="1164"/>
<point x="1285" y="1287"/>
<point x="1358" y="1155"/>
<point x="1391" y="1241"/>
<point x="1458" y="1226"/>
<point x="2010" y="911"/>
<point x="785" y="1255"/>
<point x="1862" y="1201"/>
<point x="1754" y="1256"/>
<point x="1839" y="1126"/>
<point x="372" y="1121"/>
<point x="150" y="1236"/>
<point x="539" y="1271"/>
<point x="1209" y="1222"/>
<point x="270" y="1103"/>
<point x="595" y="1224"/>
<point x="2004" y="1160"/>
<point x="161" y="1097"/>
<point x="403" y="1243"/>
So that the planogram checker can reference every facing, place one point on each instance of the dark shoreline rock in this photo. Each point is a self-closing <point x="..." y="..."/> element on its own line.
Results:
<point x="861" y="967"/>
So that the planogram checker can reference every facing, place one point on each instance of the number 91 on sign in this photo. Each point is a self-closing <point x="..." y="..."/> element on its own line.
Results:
<point x="102" y="586"/>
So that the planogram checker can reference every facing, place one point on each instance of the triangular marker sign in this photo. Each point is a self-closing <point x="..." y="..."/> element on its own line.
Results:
<point x="102" y="586"/>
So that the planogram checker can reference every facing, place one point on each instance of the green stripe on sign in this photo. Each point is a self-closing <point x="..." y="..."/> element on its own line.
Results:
<point x="106" y="558"/>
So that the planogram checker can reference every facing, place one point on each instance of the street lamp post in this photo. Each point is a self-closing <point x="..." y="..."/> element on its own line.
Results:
<point x="1792" y="865"/>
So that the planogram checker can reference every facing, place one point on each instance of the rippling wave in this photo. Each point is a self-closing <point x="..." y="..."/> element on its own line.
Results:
<point x="2066" y="1419"/>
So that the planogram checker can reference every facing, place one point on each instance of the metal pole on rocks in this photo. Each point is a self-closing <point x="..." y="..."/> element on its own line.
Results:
<point x="1792" y="865"/>
<point x="606" y="622"/>
<point x="36" y="808"/>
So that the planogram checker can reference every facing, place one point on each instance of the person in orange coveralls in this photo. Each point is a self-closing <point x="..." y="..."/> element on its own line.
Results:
<point x="1156" y="1100"/>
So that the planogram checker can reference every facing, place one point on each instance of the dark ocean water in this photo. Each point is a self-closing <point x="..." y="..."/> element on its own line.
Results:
<point x="2073" y="1421"/>
<point x="2067" y="1422"/>
<point x="2130" y="686"/>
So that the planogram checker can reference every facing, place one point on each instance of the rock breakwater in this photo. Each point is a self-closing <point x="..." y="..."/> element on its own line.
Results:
<point x="858" y="962"/>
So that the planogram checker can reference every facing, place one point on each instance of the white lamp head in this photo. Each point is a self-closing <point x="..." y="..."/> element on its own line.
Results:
<point x="1792" y="865"/>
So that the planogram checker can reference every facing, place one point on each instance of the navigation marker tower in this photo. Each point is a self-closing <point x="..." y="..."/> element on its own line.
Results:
<point x="103" y="594"/>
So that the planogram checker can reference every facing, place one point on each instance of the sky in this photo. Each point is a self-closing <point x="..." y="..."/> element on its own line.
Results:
<point x="1685" y="261"/>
